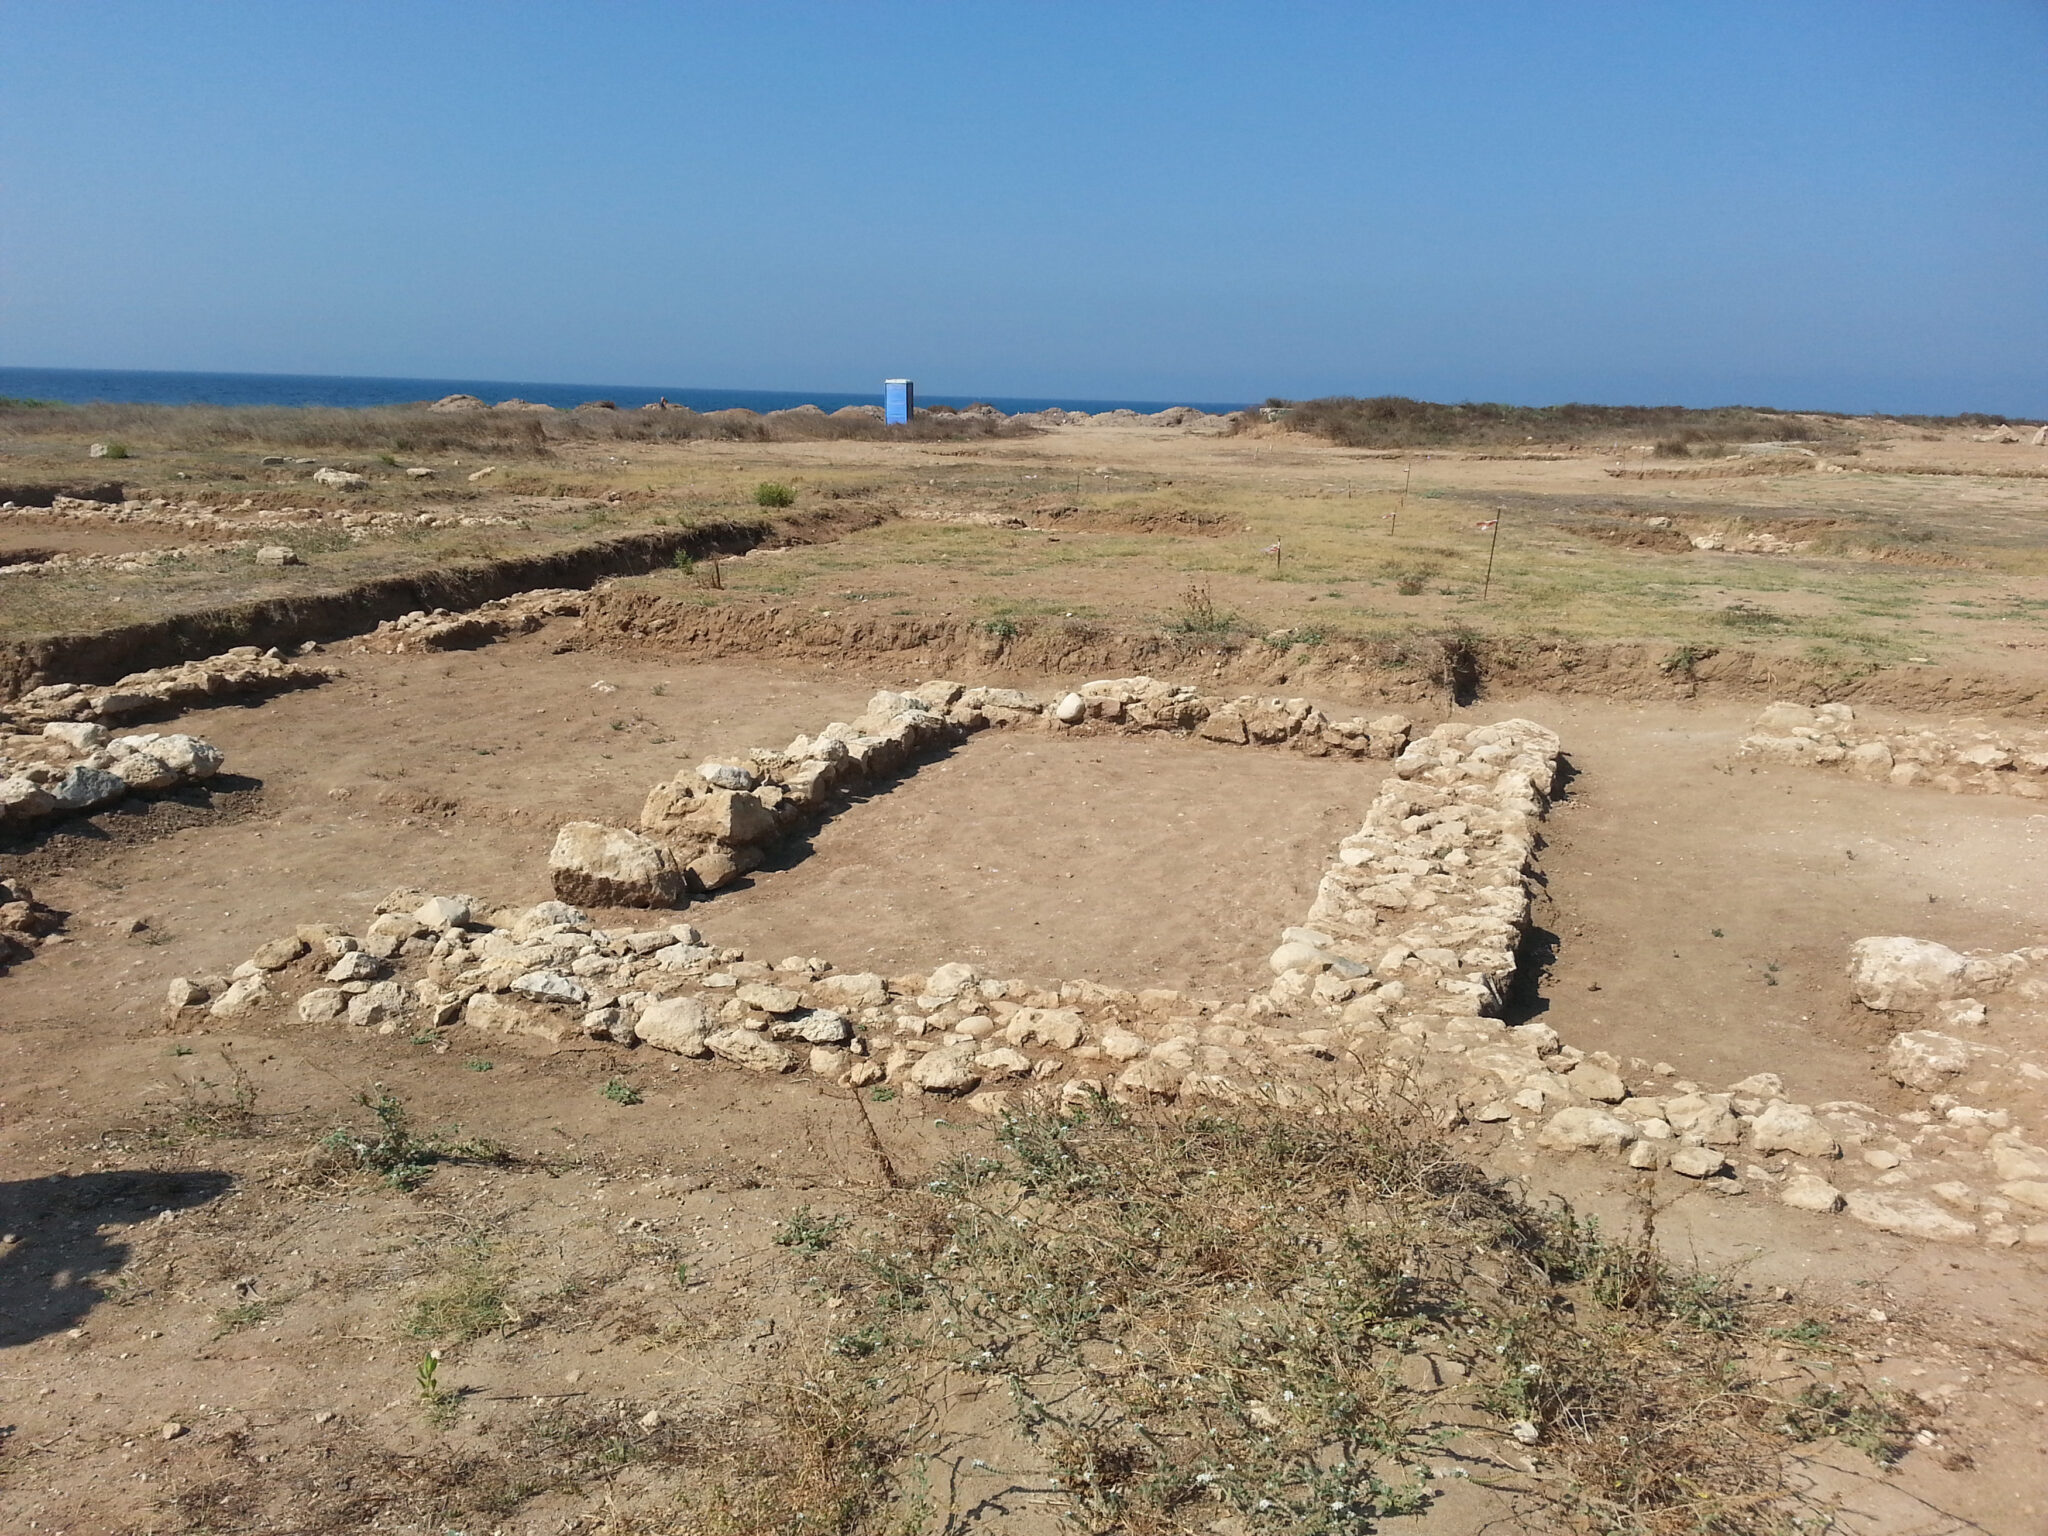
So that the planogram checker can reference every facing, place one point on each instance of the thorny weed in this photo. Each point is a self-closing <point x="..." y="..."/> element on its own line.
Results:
<point x="393" y="1151"/>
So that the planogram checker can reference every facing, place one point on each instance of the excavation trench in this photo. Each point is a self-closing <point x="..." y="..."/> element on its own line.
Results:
<point x="1435" y="668"/>
<point x="102" y="656"/>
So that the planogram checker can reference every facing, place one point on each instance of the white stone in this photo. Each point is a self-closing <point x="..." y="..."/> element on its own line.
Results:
<point x="1785" y="1127"/>
<point x="679" y="1024"/>
<point x="1924" y="1059"/>
<point x="383" y="1001"/>
<point x="1152" y="1079"/>
<point x="745" y="1048"/>
<point x="1907" y="1217"/>
<point x="1810" y="1192"/>
<point x="947" y="983"/>
<point x="1071" y="710"/>
<point x="1061" y="1028"/>
<point x="1761" y="1085"/>
<point x="323" y="1005"/>
<point x="354" y="966"/>
<point x="2016" y="1159"/>
<point x="1597" y="1083"/>
<point x="442" y="912"/>
<point x="1122" y="1045"/>
<point x="80" y="735"/>
<point x="775" y="1000"/>
<point x="949" y="1069"/>
<point x="2028" y="1192"/>
<point x="1900" y="974"/>
<point x="1003" y="1061"/>
<point x="1697" y="1162"/>
<point x="190" y="756"/>
<point x="613" y="867"/>
<point x="819" y="1027"/>
<point x="144" y="770"/>
<point x="244" y="996"/>
<point x="550" y="987"/>
<point x="858" y="989"/>
<point x="1584" y="1128"/>
<point x="726" y="776"/>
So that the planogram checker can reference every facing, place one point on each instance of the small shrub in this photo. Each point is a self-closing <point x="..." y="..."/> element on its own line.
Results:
<point x="619" y="1091"/>
<point x="808" y="1233"/>
<point x="400" y="1158"/>
<point x="209" y="1108"/>
<point x="1672" y="448"/>
<point x="1198" y="616"/>
<point x="439" y="1401"/>
<point x="1683" y="662"/>
<point x="247" y="1315"/>
<point x="773" y="493"/>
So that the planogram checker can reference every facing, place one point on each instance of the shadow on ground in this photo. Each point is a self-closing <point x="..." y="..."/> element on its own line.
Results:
<point x="48" y="1273"/>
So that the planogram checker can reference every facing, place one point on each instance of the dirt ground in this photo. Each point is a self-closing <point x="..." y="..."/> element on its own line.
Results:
<point x="206" y="1327"/>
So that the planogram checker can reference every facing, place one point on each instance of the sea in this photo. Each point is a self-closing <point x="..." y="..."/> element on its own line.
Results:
<point x="82" y="386"/>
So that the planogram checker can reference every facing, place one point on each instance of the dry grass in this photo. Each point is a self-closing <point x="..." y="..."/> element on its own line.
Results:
<point x="413" y="430"/>
<point x="1393" y="421"/>
<point x="1296" y="1322"/>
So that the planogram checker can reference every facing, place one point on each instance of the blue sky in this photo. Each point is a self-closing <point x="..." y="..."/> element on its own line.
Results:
<point x="1835" y="205"/>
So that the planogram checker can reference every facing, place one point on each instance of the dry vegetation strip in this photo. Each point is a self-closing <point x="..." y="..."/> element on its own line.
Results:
<point x="1300" y="1322"/>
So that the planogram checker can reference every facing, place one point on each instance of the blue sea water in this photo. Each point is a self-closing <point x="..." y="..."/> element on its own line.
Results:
<point x="79" y="386"/>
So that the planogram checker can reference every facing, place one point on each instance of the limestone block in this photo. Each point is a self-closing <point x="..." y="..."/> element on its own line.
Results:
<point x="612" y="867"/>
<point x="1900" y="974"/>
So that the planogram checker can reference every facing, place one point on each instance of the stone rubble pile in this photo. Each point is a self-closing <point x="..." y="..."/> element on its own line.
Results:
<point x="442" y="629"/>
<point x="237" y="673"/>
<point x="1962" y="758"/>
<point x="711" y="824"/>
<point x="76" y="766"/>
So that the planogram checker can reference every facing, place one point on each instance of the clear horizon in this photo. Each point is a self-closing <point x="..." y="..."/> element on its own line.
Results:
<point x="1822" y="206"/>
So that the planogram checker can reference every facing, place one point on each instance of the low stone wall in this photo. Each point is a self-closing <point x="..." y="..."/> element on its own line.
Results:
<point x="245" y="516"/>
<point x="126" y="562"/>
<point x="239" y="673"/>
<point x="1391" y="986"/>
<point x="77" y="766"/>
<point x="443" y="629"/>
<point x="709" y="825"/>
<point x="1962" y="757"/>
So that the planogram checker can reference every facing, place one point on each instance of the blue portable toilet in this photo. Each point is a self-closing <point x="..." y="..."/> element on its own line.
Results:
<point x="899" y="401"/>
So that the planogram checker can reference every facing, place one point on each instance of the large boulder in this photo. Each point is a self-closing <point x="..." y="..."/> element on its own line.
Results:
<point x="1902" y="975"/>
<point x="600" y="866"/>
